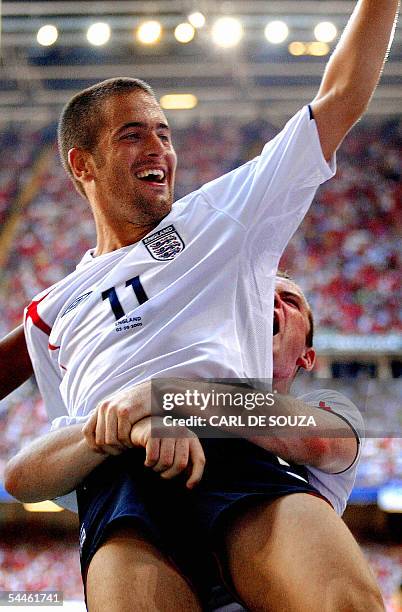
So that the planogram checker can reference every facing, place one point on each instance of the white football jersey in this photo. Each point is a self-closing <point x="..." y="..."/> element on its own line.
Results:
<point x="193" y="299"/>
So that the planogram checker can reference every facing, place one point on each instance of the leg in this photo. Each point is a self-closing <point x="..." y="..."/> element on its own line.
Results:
<point x="295" y="554"/>
<point x="128" y="573"/>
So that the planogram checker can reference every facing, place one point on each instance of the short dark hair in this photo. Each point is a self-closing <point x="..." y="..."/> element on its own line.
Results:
<point x="82" y="116"/>
<point x="310" y="334"/>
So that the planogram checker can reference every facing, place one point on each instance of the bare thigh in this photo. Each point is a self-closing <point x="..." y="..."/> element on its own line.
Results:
<point x="129" y="573"/>
<point x="295" y="554"/>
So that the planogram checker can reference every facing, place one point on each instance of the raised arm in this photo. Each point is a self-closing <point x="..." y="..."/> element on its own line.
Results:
<point x="353" y="71"/>
<point x="15" y="364"/>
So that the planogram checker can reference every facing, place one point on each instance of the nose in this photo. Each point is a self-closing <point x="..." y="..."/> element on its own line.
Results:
<point x="277" y="300"/>
<point x="154" y="145"/>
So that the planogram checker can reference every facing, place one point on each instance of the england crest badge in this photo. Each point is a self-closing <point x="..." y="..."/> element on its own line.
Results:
<point x="164" y="244"/>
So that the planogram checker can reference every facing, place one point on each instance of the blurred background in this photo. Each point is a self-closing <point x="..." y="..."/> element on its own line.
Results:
<point x="229" y="74"/>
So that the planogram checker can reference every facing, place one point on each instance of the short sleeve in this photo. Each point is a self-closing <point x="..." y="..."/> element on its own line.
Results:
<point x="336" y="487"/>
<point x="277" y="186"/>
<point x="340" y="405"/>
<point x="37" y="330"/>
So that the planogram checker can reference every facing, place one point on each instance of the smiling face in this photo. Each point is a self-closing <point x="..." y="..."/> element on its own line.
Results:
<point x="290" y="329"/>
<point x="129" y="175"/>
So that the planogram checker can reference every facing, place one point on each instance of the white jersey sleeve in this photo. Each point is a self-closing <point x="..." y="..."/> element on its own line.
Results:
<point x="37" y="333"/>
<point x="337" y="487"/>
<point x="273" y="191"/>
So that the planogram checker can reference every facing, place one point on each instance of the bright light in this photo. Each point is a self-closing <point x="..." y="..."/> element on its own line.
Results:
<point x="276" y="32"/>
<point x="178" y="101"/>
<point x="98" y="34"/>
<point x="184" y="32"/>
<point x="227" y="32"/>
<point x="47" y="35"/>
<point x="197" y="20"/>
<point x="45" y="506"/>
<point x="325" y="32"/>
<point x="149" y="32"/>
<point x="297" y="48"/>
<point x="318" y="48"/>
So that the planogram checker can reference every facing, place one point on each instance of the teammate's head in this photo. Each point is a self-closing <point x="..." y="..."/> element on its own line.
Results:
<point x="108" y="134"/>
<point x="293" y="330"/>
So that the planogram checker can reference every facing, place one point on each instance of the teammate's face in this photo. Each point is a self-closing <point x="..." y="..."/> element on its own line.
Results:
<point x="291" y="325"/>
<point x="134" y="140"/>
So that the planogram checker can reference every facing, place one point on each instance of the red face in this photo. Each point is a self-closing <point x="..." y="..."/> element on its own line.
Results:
<point x="134" y="162"/>
<point x="291" y="325"/>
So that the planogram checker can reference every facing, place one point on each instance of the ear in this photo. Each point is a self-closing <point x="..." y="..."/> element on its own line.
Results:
<point x="80" y="163"/>
<point x="307" y="360"/>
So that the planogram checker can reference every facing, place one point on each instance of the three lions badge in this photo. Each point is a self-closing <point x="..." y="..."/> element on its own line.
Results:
<point x="164" y="244"/>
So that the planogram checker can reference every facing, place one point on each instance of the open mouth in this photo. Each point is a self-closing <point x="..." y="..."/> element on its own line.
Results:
<point x="152" y="175"/>
<point x="275" y="327"/>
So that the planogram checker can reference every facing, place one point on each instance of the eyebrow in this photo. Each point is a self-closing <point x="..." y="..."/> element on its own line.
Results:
<point x="142" y="125"/>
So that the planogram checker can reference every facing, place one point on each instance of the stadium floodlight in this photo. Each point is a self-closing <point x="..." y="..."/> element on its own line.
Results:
<point x="197" y="19"/>
<point x="98" y="34"/>
<point x="178" y="101"/>
<point x="318" y="48"/>
<point x="47" y="35"/>
<point x="149" y="32"/>
<point x="276" y="32"/>
<point x="325" y="32"/>
<point x="297" y="48"/>
<point x="184" y="33"/>
<point x="227" y="32"/>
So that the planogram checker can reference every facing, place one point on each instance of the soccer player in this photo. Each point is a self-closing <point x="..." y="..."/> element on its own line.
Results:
<point x="61" y="460"/>
<point x="184" y="290"/>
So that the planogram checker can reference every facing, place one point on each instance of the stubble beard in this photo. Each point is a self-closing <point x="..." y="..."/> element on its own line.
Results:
<point x="149" y="211"/>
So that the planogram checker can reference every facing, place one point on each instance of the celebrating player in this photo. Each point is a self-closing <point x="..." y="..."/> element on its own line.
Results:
<point x="186" y="290"/>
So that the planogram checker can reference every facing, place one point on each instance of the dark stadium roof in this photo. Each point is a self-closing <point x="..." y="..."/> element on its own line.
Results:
<point x="254" y="77"/>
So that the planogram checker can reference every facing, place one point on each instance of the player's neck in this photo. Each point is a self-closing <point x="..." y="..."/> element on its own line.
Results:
<point x="282" y="384"/>
<point x="111" y="237"/>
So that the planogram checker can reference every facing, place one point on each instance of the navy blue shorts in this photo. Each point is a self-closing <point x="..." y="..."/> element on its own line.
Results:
<point x="187" y="526"/>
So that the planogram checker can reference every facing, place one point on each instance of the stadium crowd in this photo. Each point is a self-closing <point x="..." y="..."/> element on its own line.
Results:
<point x="18" y="154"/>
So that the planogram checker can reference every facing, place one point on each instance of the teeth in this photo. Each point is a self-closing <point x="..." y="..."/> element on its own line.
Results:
<point x="151" y="171"/>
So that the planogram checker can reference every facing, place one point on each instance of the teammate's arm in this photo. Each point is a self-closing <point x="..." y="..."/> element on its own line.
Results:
<point x="331" y="446"/>
<point x="15" y="364"/>
<point x="56" y="463"/>
<point x="52" y="465"/>
<point x="353" y="71"/>
<point x="329" y="443"/>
